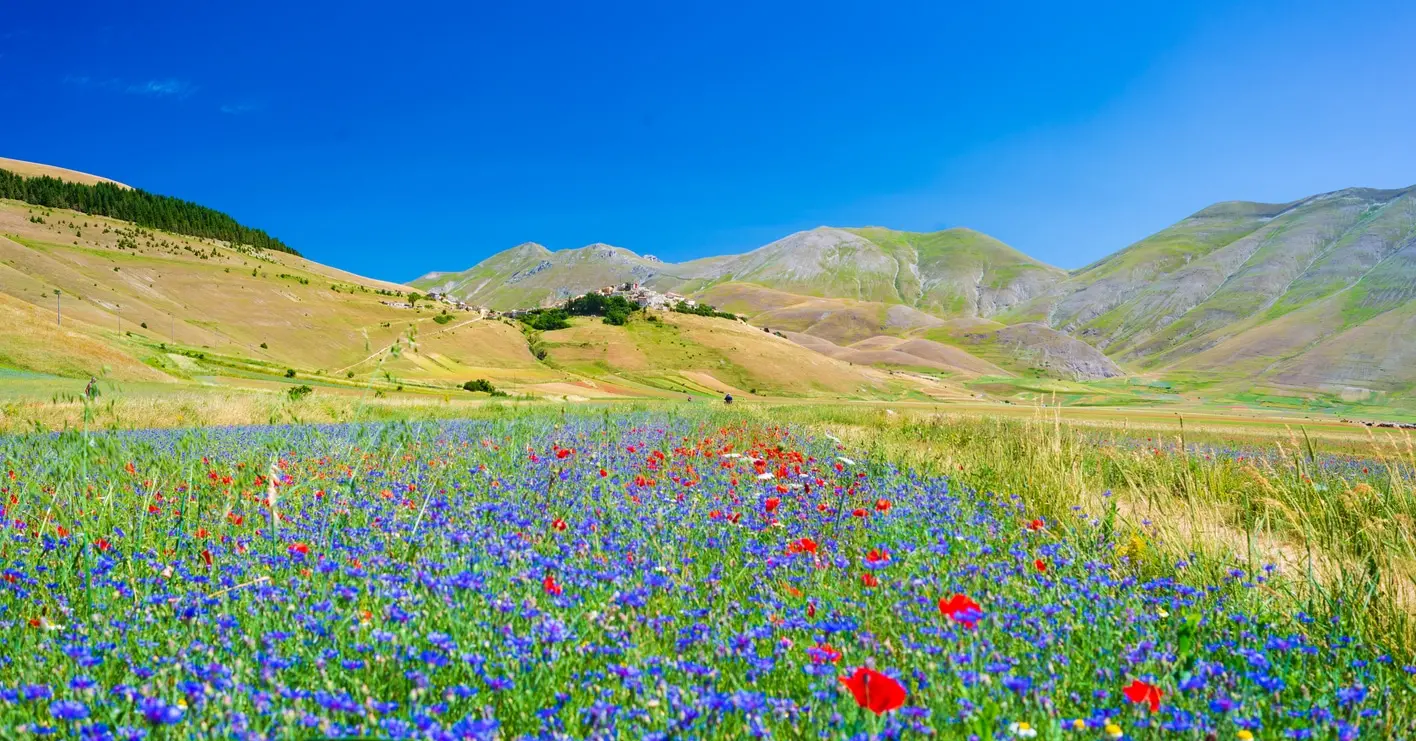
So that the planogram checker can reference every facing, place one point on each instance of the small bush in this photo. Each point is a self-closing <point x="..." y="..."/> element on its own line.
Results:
<point x="480" y="384"/>
<point x="299" y="392"/>
<point x="546" y="320"/>
<point x="145" y="325"/>
<point x="682" y="307"/>
<point x="263" y="345"/>
<point x="442" y="318"/>
<point x="289" y="372"/>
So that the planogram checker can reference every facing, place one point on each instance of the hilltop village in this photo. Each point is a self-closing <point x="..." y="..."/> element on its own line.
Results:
<point x="642" y="296"/>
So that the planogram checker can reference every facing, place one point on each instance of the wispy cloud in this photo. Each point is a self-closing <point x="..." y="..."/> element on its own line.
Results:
<point x="240" y="109"/>
<point x="162" y="88"/>
<point x="156" y="88"/>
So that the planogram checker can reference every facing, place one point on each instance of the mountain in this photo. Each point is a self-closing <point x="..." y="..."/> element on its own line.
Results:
<point x="1313" y="296"/>
<point x="956" y="272"/>
<point x="85" y="295"/>
<point x="1319" y="293"/>
<point x="1309" y="304"/>
<point x="529" y="275"/>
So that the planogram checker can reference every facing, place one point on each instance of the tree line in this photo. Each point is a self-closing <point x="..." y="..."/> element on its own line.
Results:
<point x="137" y="206"/>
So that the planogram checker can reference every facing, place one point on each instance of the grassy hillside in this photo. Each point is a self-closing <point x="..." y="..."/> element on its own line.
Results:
<point x="64" y="189"/>
<point x="35" y="170"/>
<point x="956" y="272"/>
<point x="152" y="308"/>
<point x="960" y="272"/>
<point x="1311" y="295"/>
<point x="1303" y="306"/>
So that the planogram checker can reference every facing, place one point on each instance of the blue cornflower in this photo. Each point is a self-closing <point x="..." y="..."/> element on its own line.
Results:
<point x="157" y="712"/>
<point x="68" y="710"/>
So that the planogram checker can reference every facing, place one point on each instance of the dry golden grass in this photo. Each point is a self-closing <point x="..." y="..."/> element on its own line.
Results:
<point x="34" y="170"/>
<point x="30" y="339"/>
<point x="188" y="407"/>
<point x="1342" y="539"/>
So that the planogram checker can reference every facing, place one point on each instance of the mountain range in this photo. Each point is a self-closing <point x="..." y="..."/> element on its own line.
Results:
<point x="1309" y="304"/>
<point x="1315" y="295"/>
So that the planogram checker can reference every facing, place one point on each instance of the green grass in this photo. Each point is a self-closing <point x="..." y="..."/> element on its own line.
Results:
<point x="392" y="514"/>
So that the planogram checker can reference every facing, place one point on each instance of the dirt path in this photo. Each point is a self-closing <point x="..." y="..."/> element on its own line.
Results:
<point x="390" y="345"/>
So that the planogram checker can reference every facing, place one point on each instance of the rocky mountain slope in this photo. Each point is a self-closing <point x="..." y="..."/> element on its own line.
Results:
<point x="1318" y="293"/>
<point x="956" y="272"/>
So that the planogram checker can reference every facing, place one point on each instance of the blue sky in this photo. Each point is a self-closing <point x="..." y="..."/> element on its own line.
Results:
<point x="393" y="139"/>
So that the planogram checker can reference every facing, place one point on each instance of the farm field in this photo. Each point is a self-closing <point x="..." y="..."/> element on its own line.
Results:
<point x="681" y="572"/>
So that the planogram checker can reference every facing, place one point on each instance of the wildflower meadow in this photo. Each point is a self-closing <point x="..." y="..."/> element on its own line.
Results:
<point x="624" y="575"/>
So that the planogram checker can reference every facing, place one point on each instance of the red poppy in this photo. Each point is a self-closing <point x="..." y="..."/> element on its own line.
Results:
<point x="772" y="503"/>
<point x="558" y="524"/>
<point x="823" y="654"/>
<point x="550" y="585"/>
<point x="869" y="580"/>
<point x="734" y="517"/>
<point x="564" y="453"/>
<point x="882" y="505"/>
<point x="877" y="555"/>
<point x="206" y="556"/>
<point x="716" y="514"/>
<point x="235" y="519"/>
<point x="604" y="473"/>
<point x="103" y="544"/>
<point x="874" y="691"/>
<point x="805" y="545"/>
<point x="859" y="513"/>
<point x="1040" y="565"/>
<point x="961" y="609"/>
<point x="62" y="531"/>
<point x="811" y="609"/>
<point x="299" y="548"/>
<point x="202" y="532"/>
<point x="1142" y="692"/>
<point x="1035" y="525"/>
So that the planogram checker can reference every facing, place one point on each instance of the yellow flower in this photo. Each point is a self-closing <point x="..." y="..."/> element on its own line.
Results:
<point x="1079" y="725"/>
<point x="1113" y="731"/>
<point x="1245" y="735"/>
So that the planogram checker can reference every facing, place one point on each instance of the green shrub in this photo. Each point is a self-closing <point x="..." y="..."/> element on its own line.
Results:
<point x="299" y="392"/>
<point x="682" y="307"/>
<point x="289" y="372"/>
<point x="443" y="318"/>
<point x="545" y="320"/>
<point x="480" y="384"/>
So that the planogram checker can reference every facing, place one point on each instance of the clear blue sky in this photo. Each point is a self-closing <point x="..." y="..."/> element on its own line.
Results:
<point x="396" y="138"/>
